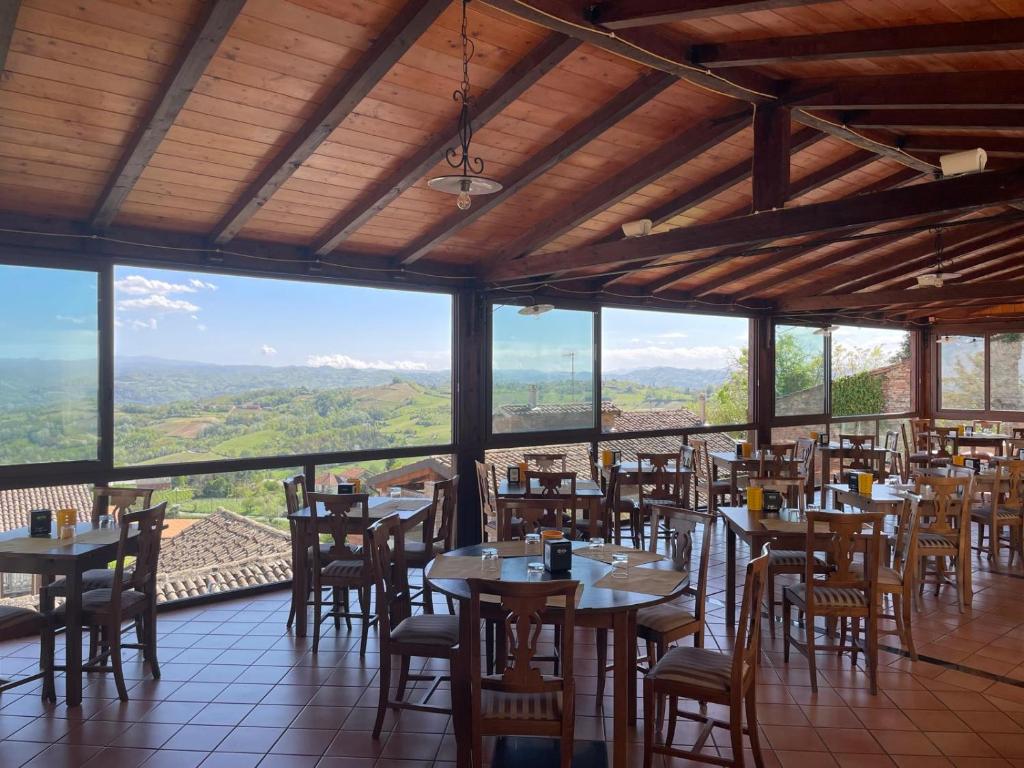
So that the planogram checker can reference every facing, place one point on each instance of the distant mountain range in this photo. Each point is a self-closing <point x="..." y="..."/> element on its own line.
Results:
<point x="692" y="379"/>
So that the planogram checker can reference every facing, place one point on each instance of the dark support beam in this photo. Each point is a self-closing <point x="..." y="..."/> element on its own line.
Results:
<point x="948" y="293"/>
<point x="8" y="18"/>
<point x="877" y="145"/>
<point x="626" y="14"/>
<point x="577" y="137"/>
<point x="649" y="168"/>
<point x="472" y="315"/>
<point x="524" y="74"/>
<point x="960" y="37"/>
<point x="196" y="52"/>
<point x="921" y="90"/>
<point x="399" y="36"/>
<point x="771" y="157"/>
<point x="996" y="146"/>
<point x="909" y="121"/>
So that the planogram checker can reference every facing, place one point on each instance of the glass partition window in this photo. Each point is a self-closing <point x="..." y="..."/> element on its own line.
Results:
<point x="1006" y="371"/>
<point x="799" y="371"/>
<point x="49" y="366"/>
<point x="872" y="371"/>
<point x="667" y="369"/>
<point x="214" y="367"/>
<point x="962" y="373"/>
<point x="542" y="367"/>
<point x="411" y="476"/>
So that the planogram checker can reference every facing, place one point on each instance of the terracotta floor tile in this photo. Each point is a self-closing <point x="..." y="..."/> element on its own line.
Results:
<point x="789" y="738"/>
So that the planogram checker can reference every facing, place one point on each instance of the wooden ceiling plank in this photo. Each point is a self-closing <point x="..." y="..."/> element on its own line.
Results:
<point x="647" y="169"/>
<point x="516" y="81"/>
<point x="627" y="14"/>
<point x="924" y="39"/>
<point x="947" y="293"/>
<point x="399" y="36"/>
<point x="996" y="146"/>
<point x="581" y="134"/>
<point x="8" y="17"/>
<point x="770" y="183"/>
<point x="920" y="90"/>
<point x="946" y="196"/>
<point x="196" y="52"/>
<point x="908" y="121"/>
<point x="872" y="144"/>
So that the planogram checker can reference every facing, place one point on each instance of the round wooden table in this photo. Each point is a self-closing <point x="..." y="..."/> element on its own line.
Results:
<point x="598" y="608"/>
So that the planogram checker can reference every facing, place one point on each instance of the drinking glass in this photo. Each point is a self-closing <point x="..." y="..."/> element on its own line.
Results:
<point x="489" y="562"/>
<point x="620" y="565"/>
<point x="533" y="543"/>
<point x="394" y="491"/>
<point x="597" y="543"/>
<point x="534" y="571"/>
<point x="67" y="532"/>
<point x="105" y="521"/>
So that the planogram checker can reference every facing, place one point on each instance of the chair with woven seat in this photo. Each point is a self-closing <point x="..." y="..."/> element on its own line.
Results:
<point x="15" y="623"/>
<point x="346" y="565"/>
<point x="947" y="506"/>
<point x="438" y="536"/>
<point x="487" y="492"/>
<point x="708" y="676"/>
<point x="660" y="481"/>
<point x="705" y="482"/>
<point x="844" y="593"/>
<point x="131" y="596"/>
<point x="518" y="699"/>
<point x="1003" y="509"/>
<point x="402" y="634"/>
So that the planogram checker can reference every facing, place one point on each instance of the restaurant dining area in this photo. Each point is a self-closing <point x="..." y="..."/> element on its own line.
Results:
<point x="465" y="383"/>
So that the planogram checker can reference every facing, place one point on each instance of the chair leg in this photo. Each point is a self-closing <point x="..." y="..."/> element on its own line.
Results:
<point x="770" y="589"/>
<point x="648" y="723"/>
<point x="149" y="631"/>
<point x="787" y="614"/>
<point x="673" y="717"/>
<point x="385" y="689"/>
<point x="403" y="678"/>
<point x="755" y="737"/>
<point x="114" y="647"/>
<point x="602" y="663"/>
<point x="854" y="638"/>
<point x="348" y="619"/>
<point x="736" y="731"/>
<point x="364" y="606"/>
<point x="842" y="636"/>
<point x="871" y="651"/>
<point x="905" y="620"/>
<point x="336" y="608"/>
<point x="812" y="664"/>
<point x="318" y="597"/>
<point x="47" y="651"/>
<point x="428" y="597"/>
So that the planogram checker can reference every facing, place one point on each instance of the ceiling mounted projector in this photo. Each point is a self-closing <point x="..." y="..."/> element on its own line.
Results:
<point x="959" y="163"/>
<point x="638" y="228"/>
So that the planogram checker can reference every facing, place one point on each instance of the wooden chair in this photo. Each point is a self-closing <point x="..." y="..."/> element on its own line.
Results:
<point x="438" y="537"/>
<point x="857" y="459"/>
<point x="346" y="564"/>
<point x="517" y="517"/>
<point x="400" y="633"/>
<point x="545" y="462"/>
<point x="1013" y="447"/>
<point x="777" y="461"/>
<point x="708" y="676"/>
<point x="805" y="451"/>
<point x="294" y="500"/>
<point x="947" y="537"/>
<point x="919" y="451"/>
<point x="897" y="580"/>
<point x="844" y="593"/>
<point x="713" y="490"/>
<point x="130" y="596"/>
<point x="15" y="623"/>
<point x="893" y="456"/>
<point x="660" y="480"/>
<point x="551" y="485"/>
<point x="619" y="512"/>
<point x="518" y="699"/>
<point x="982" y="425"/>
<point x="1003" y="510"/>
<point x="487" y="491"/>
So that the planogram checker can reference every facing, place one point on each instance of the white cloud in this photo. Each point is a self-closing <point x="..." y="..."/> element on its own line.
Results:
<point x="200" y="285"/>
<point x="137" y="285"/>
<point x="344" y="361"/>
<point x="673" y="335"/>
<point x="144" y="325"/>
<point x="678" y="357"/>
<point x="268" y="351"/>
<point x="160" y="302"/>
<point x="72" y="320"/>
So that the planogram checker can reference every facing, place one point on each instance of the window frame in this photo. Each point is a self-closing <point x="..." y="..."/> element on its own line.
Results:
<point x="986" y="332"/>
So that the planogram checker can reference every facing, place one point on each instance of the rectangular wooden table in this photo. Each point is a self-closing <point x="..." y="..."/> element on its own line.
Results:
<point x="588" y="495"/>
<point x="20" y="553"/>
<point x="412" y="512"/>
<point x="883" y="498"/>
<point x="991" y="440"/>
<point x="735" y="465"/>
<point x="837" y="451"/>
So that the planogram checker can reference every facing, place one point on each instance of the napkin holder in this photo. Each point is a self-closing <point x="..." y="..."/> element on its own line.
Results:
<point x="558" y="556"/>
<point x="773" y="502"/>
<point x="40" y="522"/>
<point x="513" y="475"/>
<point x="346" y="489"/>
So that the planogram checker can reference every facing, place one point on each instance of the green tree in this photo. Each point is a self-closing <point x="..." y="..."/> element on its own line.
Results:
<point x="728" y="404"/>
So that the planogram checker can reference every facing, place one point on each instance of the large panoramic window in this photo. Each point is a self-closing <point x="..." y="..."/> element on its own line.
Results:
<point x="962" y="373"/>
<point x="1006" y="371"/>
<point x="49" y="365"/>
<point x="542" y="369"/>
<point x="666" y="369"/>
<point x="799" y="371"/>
<point x="871" y="370"/>
<point x="214" y="367"/>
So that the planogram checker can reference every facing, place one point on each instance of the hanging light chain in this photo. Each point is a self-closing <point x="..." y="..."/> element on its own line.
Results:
<point x="460" y="155"/>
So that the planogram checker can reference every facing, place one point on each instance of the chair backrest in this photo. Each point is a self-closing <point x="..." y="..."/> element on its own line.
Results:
<point x="921" y="431"/>
<point x="550" y="483"/>
<point x="893" y="456"/>
<point x="847" y="532"/>
<point x="610" y="511"/>
<point x="118" y="501"/>
<point x="701" y="459"/>
<point x="684" y="522"/>
<point x="686" y="456"/>
<point x="659" y="477"/>
<point x="545" y="462"/>
<point x="386" y="541"/>
<point x="746" y="651"/>
<point x="348" y="514"/>
<point x="859" y="459"/>
<point x="778" y="461"/>
<point x="949" y="503"/>
<point x="856" y="441"/>
<point x="905" y="554"/>
<point x="534" y="512"/>
<point x="487" y="492"/>
<point x="1013" y="471"/>
<point x="524" y="607"/>
<point x="439" y="525"/>
<point x="150" y="523"/>
<point x="294" y="493"/>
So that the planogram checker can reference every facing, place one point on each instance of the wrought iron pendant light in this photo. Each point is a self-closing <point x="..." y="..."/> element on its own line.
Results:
<point x="471" y="181"/>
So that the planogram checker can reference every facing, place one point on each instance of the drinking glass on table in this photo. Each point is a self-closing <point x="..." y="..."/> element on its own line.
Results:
<point x="105" y="521"/>
<point x="490" y="564"/>
<point x="67" y="533"/>
<point x="620" y="565"/>
<point x="533" y="543"/>
<point x="534" y="571"/>
<point x="597" y="543"/>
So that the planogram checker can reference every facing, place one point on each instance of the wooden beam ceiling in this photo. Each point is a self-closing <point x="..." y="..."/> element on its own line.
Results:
<point x="880" y="146"/>
<point x="196" y="52"/>
<point x="948" y="293"/>
<point x="921" y="90"/>
<point x="8" y="18"/>
<point x="649" y="168"/>
<point x="946" y="196"/>
<point x="770" y="187"/>
<point x="577" y="137"/>
<point x="959" y="37"/>
<point x="996" y="146"/>
<point x="626" y="14"/>
<point x="399" y="36"/>
<point x="909" y="121"/>
<point x="516" y="81"/>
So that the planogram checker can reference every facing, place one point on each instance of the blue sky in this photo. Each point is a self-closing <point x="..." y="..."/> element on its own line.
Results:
<point x="48" y="314"/>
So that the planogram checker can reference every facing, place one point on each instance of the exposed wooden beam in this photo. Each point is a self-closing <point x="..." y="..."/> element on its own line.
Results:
<point x="196" y="51"/>
<point x="647" y="169"/>
<point x="949" y="293"/>
<point x="997" y="146"/>
<point x="880" y="147"/>
<point x="626" y="14"/>
<point x="946" y="196"/>
<point x="8" y="18"/>
<point x="909" y="121"/>
<point x="644" y="46"/>
<point x="581" y="134"/>
<point x="770" y="186"/>
<point x="399" y="36"/>
<point x="509" y="87"/>
<point x="921" y="90"/>
<point x="959" y="37"/>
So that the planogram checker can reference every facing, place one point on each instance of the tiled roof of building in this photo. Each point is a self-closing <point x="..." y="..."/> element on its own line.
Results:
<point x="15" y="504"/>
<point x="558" y="408"/>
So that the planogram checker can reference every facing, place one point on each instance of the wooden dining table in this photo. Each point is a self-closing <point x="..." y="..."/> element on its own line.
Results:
<point x="736" y="466"/>
<point x="883" y="498"/>
<point x="880" y="455"/>
<point x="92" y="548"/>
<point x="411" y="511"/>
<point x="630" y="471"/>
<point x="993" y="440"/>
<point x="598" y="607"/>
<point x="589" y="496"/>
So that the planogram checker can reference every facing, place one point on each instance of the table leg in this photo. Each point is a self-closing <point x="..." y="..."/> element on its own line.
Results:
<point x="631" y="658"/>
<point x="730" y="577"/>
<point x="825" y="461"/>
<point x="73" y="639"/>
<point x="622" y="642"/>
<point x="299" y="580"/>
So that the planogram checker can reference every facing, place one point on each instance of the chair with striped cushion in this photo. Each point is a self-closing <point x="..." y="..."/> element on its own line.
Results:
<point x="848" y="592"/>
<point x="946" y="504"/>
<point x="518" y="699"/>
<point x="1002" y="508"/>
<point x="711" y="676"/>
<point x="402" y="634"/>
